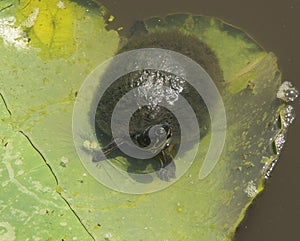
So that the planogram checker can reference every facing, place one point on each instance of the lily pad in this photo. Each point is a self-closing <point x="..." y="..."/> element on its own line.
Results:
<point x="39" y="84"/>
<point x="28" y="192"/>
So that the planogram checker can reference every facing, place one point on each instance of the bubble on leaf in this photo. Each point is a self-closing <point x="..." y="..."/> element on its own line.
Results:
<point x="287" y="92"/>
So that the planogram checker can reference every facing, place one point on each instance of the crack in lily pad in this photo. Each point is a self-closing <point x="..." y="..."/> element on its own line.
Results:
<point x="53" y="174"/>
<point x="28" y="192"/>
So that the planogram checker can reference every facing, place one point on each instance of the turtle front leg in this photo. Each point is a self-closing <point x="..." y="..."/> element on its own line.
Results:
<point x="108" y="149"/>
<point x="168" y="167"/>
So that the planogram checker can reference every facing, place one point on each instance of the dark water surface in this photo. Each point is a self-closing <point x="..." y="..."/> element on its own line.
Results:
<point x="275" y="214"/>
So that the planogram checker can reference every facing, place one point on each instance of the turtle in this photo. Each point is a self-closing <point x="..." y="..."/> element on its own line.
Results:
<point x="150" y="115"/>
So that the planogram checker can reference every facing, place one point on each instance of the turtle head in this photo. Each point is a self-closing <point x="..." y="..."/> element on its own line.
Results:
<point x="154" y="137"/>
<point x="160" y="134"/>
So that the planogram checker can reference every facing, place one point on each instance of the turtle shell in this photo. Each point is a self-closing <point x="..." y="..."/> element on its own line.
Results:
<point x="148" y="85"/>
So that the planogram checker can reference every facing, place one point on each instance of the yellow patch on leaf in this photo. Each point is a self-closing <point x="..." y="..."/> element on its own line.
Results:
<point x="53" y="28"/>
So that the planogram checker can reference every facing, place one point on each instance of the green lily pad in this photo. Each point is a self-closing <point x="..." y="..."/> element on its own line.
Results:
<point x="28" y="192"/>
<point x="39" y="82"/>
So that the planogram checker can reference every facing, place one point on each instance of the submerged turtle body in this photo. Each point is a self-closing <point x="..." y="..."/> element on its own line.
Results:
<point x="154" y="87"/>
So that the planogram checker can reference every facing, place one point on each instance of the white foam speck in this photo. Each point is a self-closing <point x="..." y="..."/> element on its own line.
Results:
<point x="11" y="34"/>
<point x="29" y="22"/>
<point x="63" y="224"/>
<point x="61" y="5"/>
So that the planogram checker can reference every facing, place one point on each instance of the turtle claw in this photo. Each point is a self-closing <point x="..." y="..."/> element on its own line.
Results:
<point x="167" y="172"/>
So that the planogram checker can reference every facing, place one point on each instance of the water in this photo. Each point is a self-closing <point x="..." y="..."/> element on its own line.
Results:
<point x="274" y="24"/>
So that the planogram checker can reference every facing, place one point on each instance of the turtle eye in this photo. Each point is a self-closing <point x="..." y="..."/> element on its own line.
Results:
<point x="168" y="130"/>
<point x="166" y="126"/>
<point x="163" y="132"/>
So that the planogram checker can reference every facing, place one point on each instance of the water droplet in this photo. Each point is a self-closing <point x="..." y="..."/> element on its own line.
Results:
<point x="268" y="168"/>
<point x="287" y="92"/>
<point x="287" y="115"/>
<point x="279" y="142"/>
<point x="251" y="189"/>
